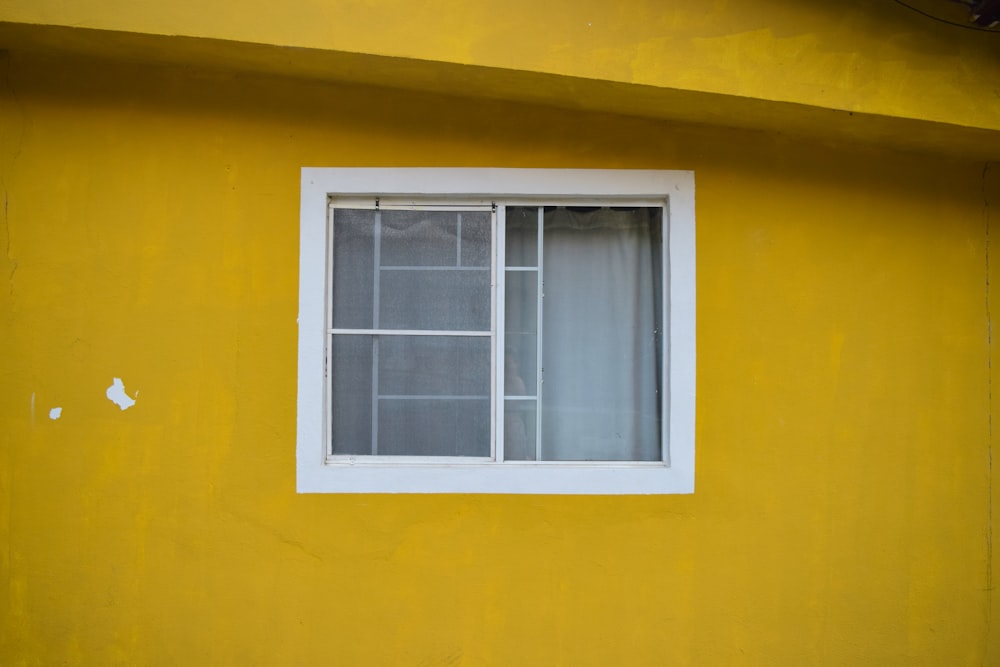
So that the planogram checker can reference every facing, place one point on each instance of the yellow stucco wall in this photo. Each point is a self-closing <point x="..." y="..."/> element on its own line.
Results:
<point x="150" y="227"/>
<point x="854" y="55"/>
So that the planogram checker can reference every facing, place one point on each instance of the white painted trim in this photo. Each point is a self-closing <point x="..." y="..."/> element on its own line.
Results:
<point x="507" y="478"/>
<point x="318" y="474"/>
<point x="540" y="333"/>
<point x="496" y="335"/>
<point x="500" y="342"/>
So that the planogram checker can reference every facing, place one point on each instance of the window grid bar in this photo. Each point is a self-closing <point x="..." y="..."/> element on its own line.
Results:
<point x="375" y="321"/>
<point x="458" y="242"/>
<point x="435" y="268"/>
<point x="540" y="369"/>
<point x="405" y="332"/>
<point x="433" y="397"/>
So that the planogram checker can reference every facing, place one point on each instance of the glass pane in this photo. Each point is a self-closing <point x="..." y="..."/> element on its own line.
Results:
<point x="419" y="238"/>
<point x="434" y="365"/>
<point x="521" y="303"/>
<point x="522" y="236"/>
<point x="353" y="268"/>
<point x="521" y="339"/>
<point x="476" y="238"/>
<point x="457" y="300"/>
<point x="433" y="395"/>
<point x="434" y="427"/>
<point x="602" y="316"/>
<point x="520" y="365"/>
<point x="351" y="372"/>
<point x="519" y="430"/>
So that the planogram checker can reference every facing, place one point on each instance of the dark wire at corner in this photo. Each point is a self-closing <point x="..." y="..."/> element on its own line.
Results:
<point x="941" y="20"/>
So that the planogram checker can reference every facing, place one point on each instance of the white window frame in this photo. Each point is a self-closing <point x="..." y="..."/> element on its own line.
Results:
<point x="316" y="472"/>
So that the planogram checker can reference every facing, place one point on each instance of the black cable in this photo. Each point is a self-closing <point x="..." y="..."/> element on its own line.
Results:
<point x="941" y="20"/>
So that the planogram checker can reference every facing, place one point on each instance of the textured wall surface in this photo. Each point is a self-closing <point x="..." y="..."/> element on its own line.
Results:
<point x="870" y="56"/>
<point x="150" y="231"/>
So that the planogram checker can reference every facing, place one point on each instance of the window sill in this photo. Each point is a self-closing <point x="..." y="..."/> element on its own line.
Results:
<point x="357" y="475"/>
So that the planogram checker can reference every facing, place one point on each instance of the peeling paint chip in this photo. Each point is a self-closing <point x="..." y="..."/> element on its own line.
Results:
<point x="55" y="413"/>
<point x="116" y="394"/>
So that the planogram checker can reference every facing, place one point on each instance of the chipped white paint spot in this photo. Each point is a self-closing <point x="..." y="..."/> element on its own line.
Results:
<point x="116" y="394"/>
<point x="55" y="413"/>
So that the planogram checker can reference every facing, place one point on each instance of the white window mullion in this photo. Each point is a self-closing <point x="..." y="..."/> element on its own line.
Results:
<point x="540" y="369"/>
<point x="499" y="328"/>
<point x="375" y="325"/>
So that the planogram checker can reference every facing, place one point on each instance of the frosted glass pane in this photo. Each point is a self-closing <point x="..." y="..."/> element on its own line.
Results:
<point x="434" y="365"/>
<point x="351" y="371"/>
<point x="434" y="427"/>
<point x="476" y="238"/>
<point x="522" y="236"/>
<point x="520" y="365"/>
<point x="457" y="300"/>
<point x="521" y="303"/>
<point x="353" y="268"/>
<point x="519" y="430"/>
<point x="419" y="238"/>
<point x="521" y="326"/>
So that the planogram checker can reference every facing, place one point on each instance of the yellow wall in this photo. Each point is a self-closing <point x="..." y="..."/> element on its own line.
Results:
<point x="150" y="230"/>
<point x="855" y="55"/>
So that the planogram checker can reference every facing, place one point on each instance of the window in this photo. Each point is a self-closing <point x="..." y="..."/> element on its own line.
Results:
<point x="496" y="331"/>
